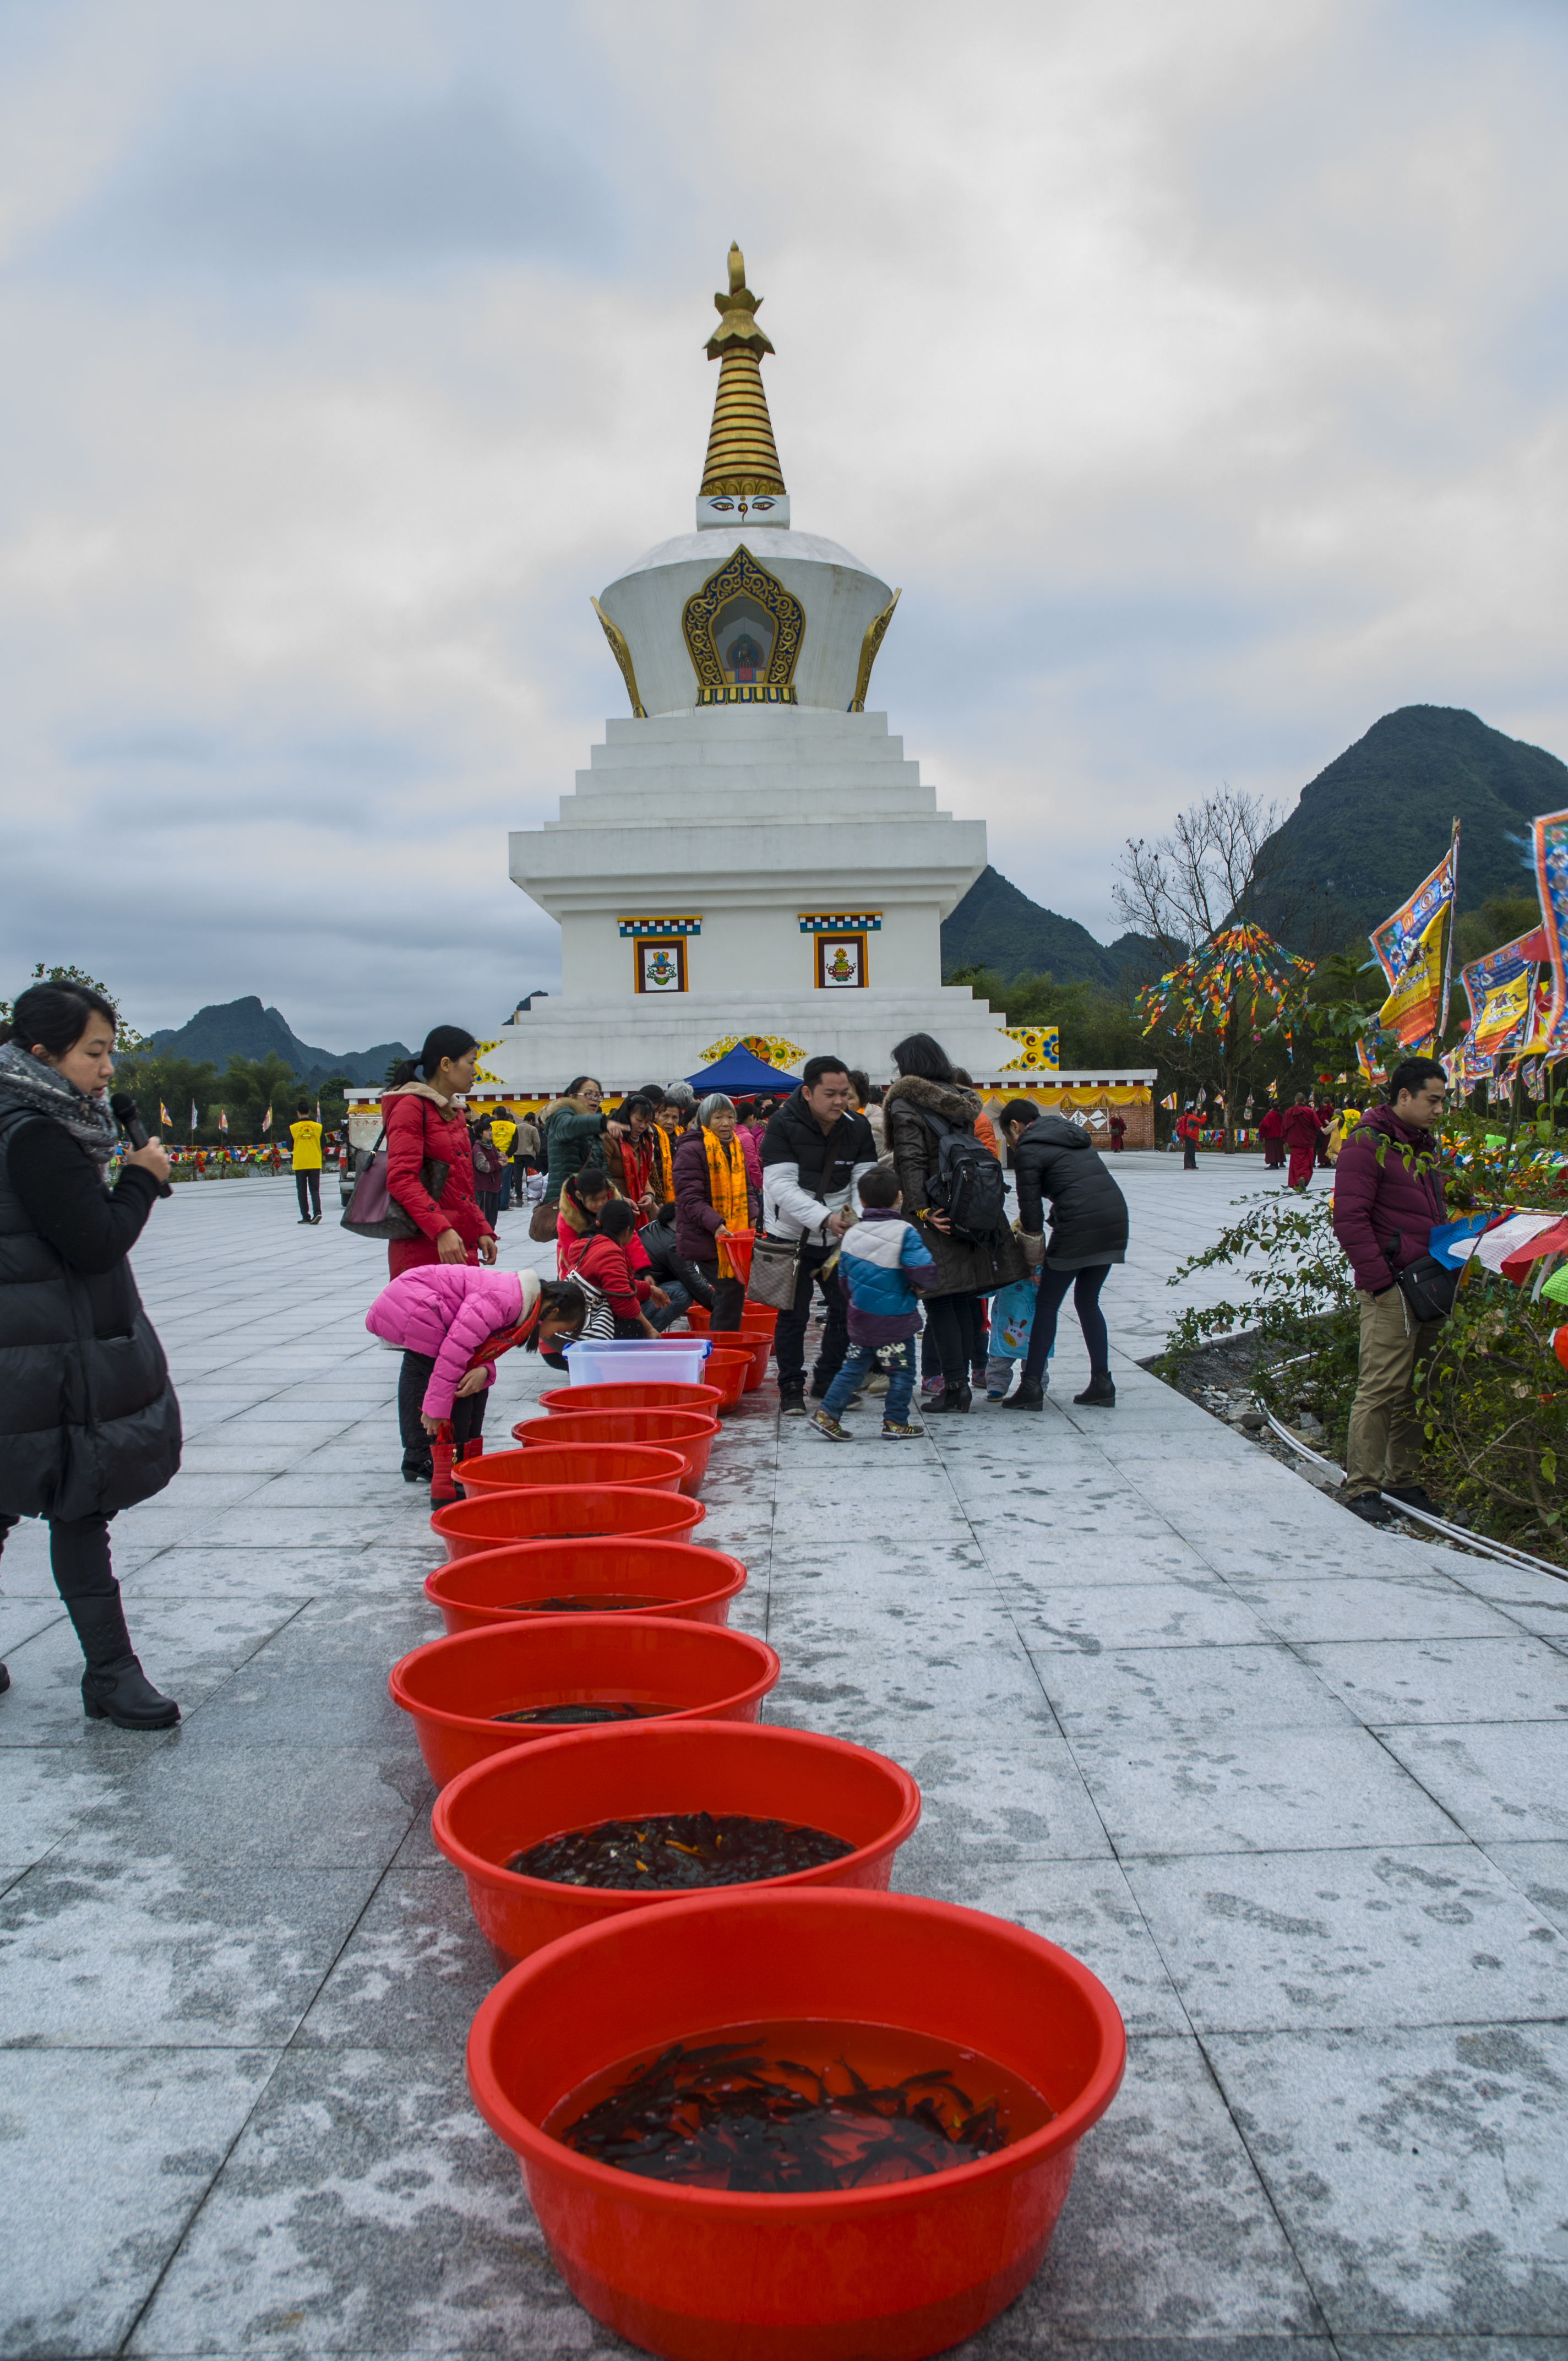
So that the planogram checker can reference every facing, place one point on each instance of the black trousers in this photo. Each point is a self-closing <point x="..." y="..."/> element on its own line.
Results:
<point x="954" y="1333"/>
<point x="467" y="1412"/>
<point x="309" y="1182"/>
<point x="729" y="1297"/>
<point x="85" y="1577"/>
<point x="789" y="1331"/>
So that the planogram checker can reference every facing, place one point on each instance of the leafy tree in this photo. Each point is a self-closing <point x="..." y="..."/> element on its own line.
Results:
<point x="125" y="1035"/>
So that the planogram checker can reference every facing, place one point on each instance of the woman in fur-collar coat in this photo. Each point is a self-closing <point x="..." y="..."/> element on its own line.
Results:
<point x="964" y="1270"/>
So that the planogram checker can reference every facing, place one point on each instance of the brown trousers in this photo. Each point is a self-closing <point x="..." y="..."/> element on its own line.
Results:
<point x="1385" y="1441"/>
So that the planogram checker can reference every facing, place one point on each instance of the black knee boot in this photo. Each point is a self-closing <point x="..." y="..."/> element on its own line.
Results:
<point x="114" y="1686"/>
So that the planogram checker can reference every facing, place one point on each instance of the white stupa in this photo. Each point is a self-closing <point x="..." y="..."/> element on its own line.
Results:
<point x="749" y="856"/>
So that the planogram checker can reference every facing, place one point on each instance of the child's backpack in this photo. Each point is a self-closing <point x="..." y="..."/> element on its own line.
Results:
<point x="1012" y="1318"/>
<point x="967" y="1184"/>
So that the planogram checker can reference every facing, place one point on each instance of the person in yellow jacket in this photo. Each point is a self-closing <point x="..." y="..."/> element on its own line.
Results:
<point x="503" y="1131"/>
<point x="306" y="1135"/>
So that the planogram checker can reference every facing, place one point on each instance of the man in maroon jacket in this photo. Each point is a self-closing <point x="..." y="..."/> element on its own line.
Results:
<point x="1388" y="1197"/>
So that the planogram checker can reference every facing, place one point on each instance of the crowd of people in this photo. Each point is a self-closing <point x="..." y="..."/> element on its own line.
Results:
<point x="884" y="1208"/>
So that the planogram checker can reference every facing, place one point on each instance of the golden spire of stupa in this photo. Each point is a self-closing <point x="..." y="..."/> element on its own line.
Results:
<point x="742" y="457"/>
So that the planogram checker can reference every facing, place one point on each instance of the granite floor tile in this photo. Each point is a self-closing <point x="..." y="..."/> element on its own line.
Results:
<point x="1086" y="1906"/>
<point x="413" y="1973"/>
<point x="1145" y="1615"/>
<point x="366" y="2210"/>
<point x="1254" y="1791"/>
<point x="96" y="1951"/>
<point x="1402" y="1680"/>
<point x="1500" y="1782"/>
<point x="1423" y="1936"/>
<point x="1420" y="2173"/>
<point x="1541" y="1873"/>
<point x="1166" y="2230"/>
<point x="1261" y="1686"/>
<point x="1002" y="1801"/>
<point x="1367" y="1607"/>
<point x="89" y="2216"/>
<point x="326" y="1807"/>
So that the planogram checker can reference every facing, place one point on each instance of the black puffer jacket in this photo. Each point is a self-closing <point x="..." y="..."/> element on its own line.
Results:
<point x="1055" y="1158"/>
<point x="88" y="1419"/>
<point x="961" y="1269"/>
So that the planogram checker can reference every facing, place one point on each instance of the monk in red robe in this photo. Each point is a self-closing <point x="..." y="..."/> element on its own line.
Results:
<point x="1271" y="1131"/>
<point x="1302" y="1131"/>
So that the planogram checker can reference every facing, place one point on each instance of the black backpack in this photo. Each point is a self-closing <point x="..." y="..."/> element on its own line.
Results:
<point x="967" y="1184"/>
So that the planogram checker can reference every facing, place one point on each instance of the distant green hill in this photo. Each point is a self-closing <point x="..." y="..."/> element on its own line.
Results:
<point x="1369" y="827"/>
<point x="243" y="1028"/>
<point x="997" y="927"/>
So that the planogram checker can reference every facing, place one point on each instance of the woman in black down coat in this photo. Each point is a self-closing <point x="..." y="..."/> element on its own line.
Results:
<point x="1054" y="1158"/>
<point x="965" y="1269"/>
<point x="88" y="1419"/>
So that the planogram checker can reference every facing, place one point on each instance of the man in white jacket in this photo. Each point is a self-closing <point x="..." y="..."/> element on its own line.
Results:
<point x="814" y="1153"/>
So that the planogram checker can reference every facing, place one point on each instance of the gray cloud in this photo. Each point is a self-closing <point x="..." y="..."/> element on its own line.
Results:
<point x="1196" y="370"/>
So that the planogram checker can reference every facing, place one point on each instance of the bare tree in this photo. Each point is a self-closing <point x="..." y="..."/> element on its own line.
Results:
<point x="1219" y="867"/>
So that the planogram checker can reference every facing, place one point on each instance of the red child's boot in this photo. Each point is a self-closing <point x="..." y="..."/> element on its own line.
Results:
<point x="443" y="1489"/>
<point x="472" y="1447"/>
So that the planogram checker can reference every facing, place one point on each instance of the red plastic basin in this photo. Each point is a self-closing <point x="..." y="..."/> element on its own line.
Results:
<point x="572" y="1400"/>
<point x="752" y="1315"/>
<point x="689" y="1432"/>
<point x="695" y="1584"/>
<point x="514" y="1800"/>
<point x="760" y="1347"/>
<point x="453" y="1688"/>
<point x="709" y="2275"/>
<point x="554" y="1511"/>
<point x="639" y="1464"/>
<point x="728" y="1368"/>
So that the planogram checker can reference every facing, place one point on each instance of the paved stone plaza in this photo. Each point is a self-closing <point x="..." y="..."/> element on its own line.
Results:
<point x="1297" y="1790"/>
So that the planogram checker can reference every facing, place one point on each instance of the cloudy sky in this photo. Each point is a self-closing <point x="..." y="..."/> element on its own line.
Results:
<point x="1197" y="367"/>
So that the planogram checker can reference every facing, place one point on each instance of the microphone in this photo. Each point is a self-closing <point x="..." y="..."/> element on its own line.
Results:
<point x="123" y="1109"/>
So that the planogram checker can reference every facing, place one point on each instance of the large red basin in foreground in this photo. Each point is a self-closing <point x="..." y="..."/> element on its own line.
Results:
<point x="874" y="2274"/>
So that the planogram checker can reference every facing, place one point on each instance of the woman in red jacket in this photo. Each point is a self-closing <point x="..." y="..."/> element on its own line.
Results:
<point x="426" y="1128"/>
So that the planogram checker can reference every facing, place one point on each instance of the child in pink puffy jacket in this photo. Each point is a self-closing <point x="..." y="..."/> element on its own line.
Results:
<point x="450" y="1320"/>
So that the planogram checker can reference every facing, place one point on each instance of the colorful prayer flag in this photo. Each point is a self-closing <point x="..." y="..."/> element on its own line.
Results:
<point x="1412" y="1010"/>
<point x="163" y="1115"/>
<point x="1548" y="845"/>
<point x="222" y="1119"/>
<point x="193" y="1115"/>
<point x="1409" y="947"/>
<point x="267" y="1120"/>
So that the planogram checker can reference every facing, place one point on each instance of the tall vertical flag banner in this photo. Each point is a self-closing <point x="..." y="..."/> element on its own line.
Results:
<point x="267" y="1120"/>
<point x="193" y="1119"/>
<point x="164" y="1117"/>
<point x="222" y="1119"/>
<point x="1549" y="848"/>
<point x="1415" y="951"/>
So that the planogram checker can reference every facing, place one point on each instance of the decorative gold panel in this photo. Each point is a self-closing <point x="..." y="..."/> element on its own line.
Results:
<point x="741" y="574"/>
<point x="876" y="632"/>
<point x="622" y="656"/>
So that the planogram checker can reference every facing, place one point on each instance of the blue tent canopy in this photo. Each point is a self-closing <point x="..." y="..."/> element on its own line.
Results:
<point x="738" y="1070"/>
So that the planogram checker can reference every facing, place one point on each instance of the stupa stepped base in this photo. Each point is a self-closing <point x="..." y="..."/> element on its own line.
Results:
<point x="658" y="1039"/>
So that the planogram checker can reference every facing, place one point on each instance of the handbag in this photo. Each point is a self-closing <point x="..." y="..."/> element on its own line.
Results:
<point x="373" y="1212"/>
<point x="1429" y="1287"/>
<point x="542" y="1221"/>
<point x="776" y="1273"/>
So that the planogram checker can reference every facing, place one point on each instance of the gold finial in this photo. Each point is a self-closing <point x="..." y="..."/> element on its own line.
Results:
<point x="742" y="457"/>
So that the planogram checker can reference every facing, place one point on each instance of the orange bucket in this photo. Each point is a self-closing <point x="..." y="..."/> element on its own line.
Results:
<point x="557" y="1511"/>
<point x="511" y="1801"/>
<point x="694" y="1585"/>
<point x="738" y="1245"/>
<point x="453" y="1688"/>
<point x="571" y="1462"/>
<point x="896" y="2271"/>
<point x="691" y="1433"/>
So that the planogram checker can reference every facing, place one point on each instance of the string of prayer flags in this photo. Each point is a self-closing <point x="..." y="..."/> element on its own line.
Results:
<point x="1240" y="970"/>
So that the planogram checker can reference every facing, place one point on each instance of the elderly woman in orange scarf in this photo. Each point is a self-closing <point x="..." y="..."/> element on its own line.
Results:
<point x="713" y="1198"/>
